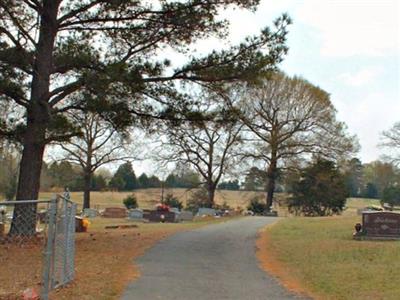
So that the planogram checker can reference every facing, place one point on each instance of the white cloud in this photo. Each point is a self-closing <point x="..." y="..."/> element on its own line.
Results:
<point x="368" y="117"/>
<point x="361" y="77"/>
<point x="245" y="22"/>
<point x="354" y="27"/>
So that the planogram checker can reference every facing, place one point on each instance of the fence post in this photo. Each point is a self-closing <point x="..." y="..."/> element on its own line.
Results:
<point x="66" y="239"/>
<point x="48" y="254"/>
<point x="71" y="248"/>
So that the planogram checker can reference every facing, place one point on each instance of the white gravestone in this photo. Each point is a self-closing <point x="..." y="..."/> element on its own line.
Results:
<point x="206" y="212"/>
<point x="90" y="213"/>
<point x="135" y="214"/>
<point x="186" y="215"/>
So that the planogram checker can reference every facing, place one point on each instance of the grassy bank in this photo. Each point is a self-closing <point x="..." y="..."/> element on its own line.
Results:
<point x="319" y="256"/>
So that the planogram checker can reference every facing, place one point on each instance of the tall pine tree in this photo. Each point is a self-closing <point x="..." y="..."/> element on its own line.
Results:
<point x="52" y="62"/>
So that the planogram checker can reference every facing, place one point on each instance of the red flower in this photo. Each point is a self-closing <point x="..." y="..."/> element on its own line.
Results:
<point x="162" y="207"/>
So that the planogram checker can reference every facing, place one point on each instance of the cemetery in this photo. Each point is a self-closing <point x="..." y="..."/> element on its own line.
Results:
<point x="116" y="222"/>
<point x="198" y="149"/>
<point x="110" y="230"/>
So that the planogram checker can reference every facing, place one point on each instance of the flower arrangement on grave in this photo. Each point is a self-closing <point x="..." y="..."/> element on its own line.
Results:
<point x="85" y="224"/>
<point x="162" y="207"/>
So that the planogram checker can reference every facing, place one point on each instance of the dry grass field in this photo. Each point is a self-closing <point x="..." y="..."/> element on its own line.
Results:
<point x="147" y="198"/>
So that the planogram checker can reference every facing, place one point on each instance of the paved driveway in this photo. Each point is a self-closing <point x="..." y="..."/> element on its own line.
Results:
<point x="214" y="262"/>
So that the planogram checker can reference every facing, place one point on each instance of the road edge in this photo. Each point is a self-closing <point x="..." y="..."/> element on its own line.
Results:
<point x="269" y="264"/>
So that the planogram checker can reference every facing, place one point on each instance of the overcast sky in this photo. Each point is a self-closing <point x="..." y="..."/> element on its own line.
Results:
<point x="349" y="48"/>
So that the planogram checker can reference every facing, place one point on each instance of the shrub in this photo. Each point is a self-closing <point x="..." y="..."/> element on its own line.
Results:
<point x="130" y="202"/>
<point x="172" y="201"/>
<point x="391" y="195"/>
<point x="321" y="191"/>
<point x="223" y="206"/>
<point x="198" y="199"/>
<point x="257" y="205"/>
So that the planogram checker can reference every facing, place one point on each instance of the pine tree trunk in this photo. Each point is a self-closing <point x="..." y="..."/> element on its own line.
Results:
<point x="38" y="118"/>
<point x="24" y="218"/>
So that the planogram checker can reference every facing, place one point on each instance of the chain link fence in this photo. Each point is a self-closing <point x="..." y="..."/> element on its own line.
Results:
<point x="62" y="251"/>
<point x="37" y="246"/>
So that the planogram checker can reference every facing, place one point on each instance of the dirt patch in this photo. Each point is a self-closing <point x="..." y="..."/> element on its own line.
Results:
<point x="104" y="261"/>
<point x="269" y="263"/>
<point x="20" y="267"/>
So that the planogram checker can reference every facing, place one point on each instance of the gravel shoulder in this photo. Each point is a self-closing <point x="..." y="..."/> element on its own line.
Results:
<point x="214" y="262"/>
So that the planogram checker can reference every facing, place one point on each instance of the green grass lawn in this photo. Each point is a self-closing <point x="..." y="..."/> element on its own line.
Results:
<point x="321" y="254"/>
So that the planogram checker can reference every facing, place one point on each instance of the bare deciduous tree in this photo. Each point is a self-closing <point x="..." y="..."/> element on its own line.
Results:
<point x="290" y="117"/>
<point x="208" y="146"/>
<point x="98" y="145"/>
<point x="391" y="140"/>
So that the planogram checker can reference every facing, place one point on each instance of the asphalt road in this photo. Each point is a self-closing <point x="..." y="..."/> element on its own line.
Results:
<point x="214" y="262"/>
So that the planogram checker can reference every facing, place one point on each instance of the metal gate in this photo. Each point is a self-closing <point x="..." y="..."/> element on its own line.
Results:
<point x="37" y="245"/>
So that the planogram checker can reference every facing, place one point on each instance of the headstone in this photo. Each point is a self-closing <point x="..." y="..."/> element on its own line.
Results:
<point x="162" y="216"/>
<point x="79" y="225"/>
<point x="387" y="206"/>
<point x="146" y="213"/>
<point x="43" y="216"/>
<point x="9" y="216"/>
<point x="368" y="208"/>
<point x="90" y="213"/>
<point x="379" y="225"/>
<point x="177" y="217"/>
<point x="174" y="209"/>
<point x="2" y="221"/>
<point x="135" y="214"/>
<point x="247" y="213"/>
<point x="206" y="212"/>
<point x="219" y="212"/>
<point x="115" y="212"/>
<point x="186" y="215"/>
<point x="177" y="213"/>
<point x="272" y="213"/>
<point x="2" y="214"/>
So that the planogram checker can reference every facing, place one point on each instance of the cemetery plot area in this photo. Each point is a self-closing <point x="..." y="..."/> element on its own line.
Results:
<point x="319" y="256"/>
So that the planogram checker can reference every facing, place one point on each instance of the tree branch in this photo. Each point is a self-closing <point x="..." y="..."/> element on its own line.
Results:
<point x="64" y="91"/>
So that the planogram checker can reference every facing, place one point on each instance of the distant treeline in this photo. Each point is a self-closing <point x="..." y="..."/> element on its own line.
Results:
<point x="362" y="180"/>
<point x="65" y="174"/>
